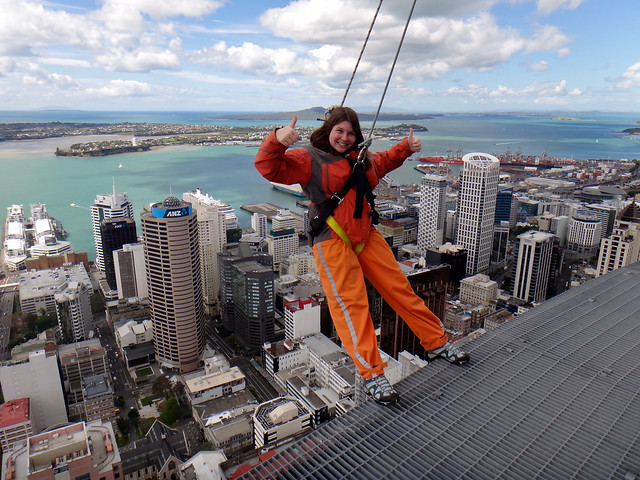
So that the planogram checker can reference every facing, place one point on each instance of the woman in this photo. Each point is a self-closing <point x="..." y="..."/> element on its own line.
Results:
<point x="346" y="245"/>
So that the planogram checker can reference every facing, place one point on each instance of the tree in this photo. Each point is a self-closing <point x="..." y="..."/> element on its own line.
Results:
<point x="171" y="411"/>
<point x="161" y="386"/>
<point x="134" y="416"/>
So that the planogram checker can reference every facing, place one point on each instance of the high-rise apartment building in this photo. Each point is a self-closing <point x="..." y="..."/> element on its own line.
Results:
<point x="622" y="247"/>
<point x="259" y="224"/>
<point x="73" y="308"/>
<point x="282" y="240"/>
<point x="106" y="207"/>
<point x="131" y="276"/>
<point x="212" y="233"/>
<point x="476" y="208"/>
<point x="431" y="219"/>
<point x="172" y="258"/>
<point x="533" y="265"/>
<point x="584" y="234"/>
<point x="301" y="318"/>
<point x="115" y="233"/>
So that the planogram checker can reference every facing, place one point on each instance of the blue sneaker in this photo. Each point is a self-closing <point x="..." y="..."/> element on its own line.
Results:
<point x="450" y="353"/>
<point x="380" y="389"/>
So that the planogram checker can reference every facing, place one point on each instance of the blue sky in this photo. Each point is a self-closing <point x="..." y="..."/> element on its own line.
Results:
<point x="260" y="55"/>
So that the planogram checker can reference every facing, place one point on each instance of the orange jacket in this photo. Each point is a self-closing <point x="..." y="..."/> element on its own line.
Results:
<point x="321" y="174"/>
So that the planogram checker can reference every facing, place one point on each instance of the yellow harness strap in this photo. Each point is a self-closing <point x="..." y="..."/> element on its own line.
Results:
<point x="335" y="226"/>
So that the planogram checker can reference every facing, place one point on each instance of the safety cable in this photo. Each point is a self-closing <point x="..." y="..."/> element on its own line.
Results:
<point x="355" y="69"/>
<point x="365" y="145"/>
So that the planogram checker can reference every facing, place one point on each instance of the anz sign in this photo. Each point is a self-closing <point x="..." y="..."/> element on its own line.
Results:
<point x="171" y="212"/>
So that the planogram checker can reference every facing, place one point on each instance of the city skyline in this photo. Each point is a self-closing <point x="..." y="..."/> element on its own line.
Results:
<point x="217" y="55"/>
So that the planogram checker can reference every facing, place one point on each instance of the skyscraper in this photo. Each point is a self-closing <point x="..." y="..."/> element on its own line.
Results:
<point x="476" y="208"/>
<point x="131" y="275"/>
<point x="212" y="233"/>
<point x="172" y="259"/>
<point x="431" y="218"/>
<point x="106" y="207"/>
<point x="622" y="247"/>
<point x="533" y="264"/>
<point x="115" y="233"/>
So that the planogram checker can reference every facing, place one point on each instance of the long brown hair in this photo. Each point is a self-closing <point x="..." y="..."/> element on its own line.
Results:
<point x="320" y="136"/>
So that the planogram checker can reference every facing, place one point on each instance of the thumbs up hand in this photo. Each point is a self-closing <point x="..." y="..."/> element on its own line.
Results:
<point x="287" y="135"/>
<point x="415" y="145"/>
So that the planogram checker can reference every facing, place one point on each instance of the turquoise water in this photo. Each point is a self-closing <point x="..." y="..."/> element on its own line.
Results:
<point x="31" y="173"/>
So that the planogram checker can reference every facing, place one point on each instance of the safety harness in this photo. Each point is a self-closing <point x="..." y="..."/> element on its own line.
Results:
<point x="358" y="178"/>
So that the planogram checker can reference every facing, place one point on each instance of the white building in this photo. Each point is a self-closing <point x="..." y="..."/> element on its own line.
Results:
<point x="38" y="288"/>
<point x="73" y="308"/>
<point x="277" y="420"/>
<point x="133" y="333"/>
<point x="433" y="211"/>
<point x="282" y="243"/>
<point x="533" y="265"/>
<point x="215" y="385"/>
<point x="259" y="224"/>
<point x="299" y="264"/>
<point x="476" y="208"/>
<point x="38" y="379"/>
<point x="15" y="242"/>
<point x="478" y="289"/>
<point x="584" y="234"/>
<point x="214" y="218"/>
<point x="623" y="245"/>
<point x="131" y="276"/>
<point x="106" y="207"/>
<point x="301" y="318"/>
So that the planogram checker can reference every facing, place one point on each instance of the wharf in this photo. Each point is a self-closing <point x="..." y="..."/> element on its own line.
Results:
<point x="268" y="209"/>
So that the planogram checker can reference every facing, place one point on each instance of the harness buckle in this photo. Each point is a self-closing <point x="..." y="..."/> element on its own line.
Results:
<point x="336" y="196"/>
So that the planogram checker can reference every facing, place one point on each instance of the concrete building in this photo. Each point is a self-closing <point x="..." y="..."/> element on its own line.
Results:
<point x="584" y="234"/>
<point x="476" y="209"/>
<point x="37" y="289"/>
<point x="299" y="264"/>
<point x="97" y="397"/>
<point x="533" y="265"/>
<point x="215" y="385"/>
<point x="448" y="254"/>
<point x="478" y="289"/>
<point x="622" y="247"/>
<point x="15" y="423"/>
<point x="174" y="277"/>
<point x="73" y="308"/>
<point x="106" y="207"/>
<point x="213" y="217"/>
<point x="78" y="362"/>
<point x="301" y="318"/>
<point x="114" y="233"/>
<point x="130" y="272"/>
<point x="259" y="224"/>
<point x="284" y="355"/>
<point x="80" y="450"/>
<point x="37" y="378"/>
<point x="277" y="420"/>
<point x="431" y="219"/>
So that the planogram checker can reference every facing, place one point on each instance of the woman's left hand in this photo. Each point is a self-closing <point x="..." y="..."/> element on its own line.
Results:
<point x="415" y="145"/>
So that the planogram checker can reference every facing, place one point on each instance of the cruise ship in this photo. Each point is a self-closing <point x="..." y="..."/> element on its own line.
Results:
<point x="294" y="189"/>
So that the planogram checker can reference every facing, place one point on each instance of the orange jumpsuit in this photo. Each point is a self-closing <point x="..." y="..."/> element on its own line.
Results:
<point x="342" y="270"/>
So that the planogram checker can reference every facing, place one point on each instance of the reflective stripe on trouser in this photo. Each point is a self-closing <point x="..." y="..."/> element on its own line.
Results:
<point x="341" y="272"/>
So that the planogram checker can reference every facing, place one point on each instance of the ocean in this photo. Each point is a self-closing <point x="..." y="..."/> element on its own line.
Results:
<point x="31" y="173"/>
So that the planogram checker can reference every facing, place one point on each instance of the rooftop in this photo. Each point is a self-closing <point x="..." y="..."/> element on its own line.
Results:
<point x="553" y="393"/>
<point x="14" y="412"/>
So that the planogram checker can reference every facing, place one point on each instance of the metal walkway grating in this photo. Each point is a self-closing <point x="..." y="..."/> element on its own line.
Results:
<point x="552" y="394"/>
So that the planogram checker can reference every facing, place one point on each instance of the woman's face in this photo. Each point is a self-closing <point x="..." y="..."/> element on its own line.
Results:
<point x="342" y="137"/>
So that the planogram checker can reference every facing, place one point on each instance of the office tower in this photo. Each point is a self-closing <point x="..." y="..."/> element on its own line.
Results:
<point x="115" y="233"/>
<point x="73" y="308"/>
<point x="395" y="335"/>
<point x="283" y="239"/>
<point x="533" y="265"/>
<point x="131" y="275"/>
<point x="259" y="224"/>
<point x="212" y="236"/>
<point x="452" y="255"/>
<point x="106" y="207"/>
<point x="431" y="219"/>
<point x="478" y="289"/>
<point x="476" y="208"/>
<point x="247" y="295"/>
<point x="622" y="247"/>
<point x="172" y="259"/>
<point x="607" y="214"/>
<point x="38" y="379"/>
<point x="583" y="237"/>
<point x="504" y="200"/>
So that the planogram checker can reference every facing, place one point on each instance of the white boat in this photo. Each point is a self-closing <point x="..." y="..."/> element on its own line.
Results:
<point x="294" y="189"/>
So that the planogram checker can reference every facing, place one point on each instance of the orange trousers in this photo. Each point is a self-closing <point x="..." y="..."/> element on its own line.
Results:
<point x="342" y="273"/>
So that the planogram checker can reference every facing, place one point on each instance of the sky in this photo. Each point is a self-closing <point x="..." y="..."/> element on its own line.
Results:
<point x="261" y="55"/>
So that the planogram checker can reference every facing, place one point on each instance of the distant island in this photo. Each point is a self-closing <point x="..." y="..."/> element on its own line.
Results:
<point x="145" y="136"/>
<point x="317" y="113"/>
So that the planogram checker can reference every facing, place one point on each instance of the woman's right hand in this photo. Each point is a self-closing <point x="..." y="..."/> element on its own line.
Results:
<point x="287" y="135"/>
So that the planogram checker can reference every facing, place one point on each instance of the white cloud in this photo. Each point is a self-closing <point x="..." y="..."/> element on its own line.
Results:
<point x="540" y="66"/>
<point x="631" y="78"/>
<point x="548" y="37"/>
<point x="123" y="88"/>
<point x="548" y="6"/>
